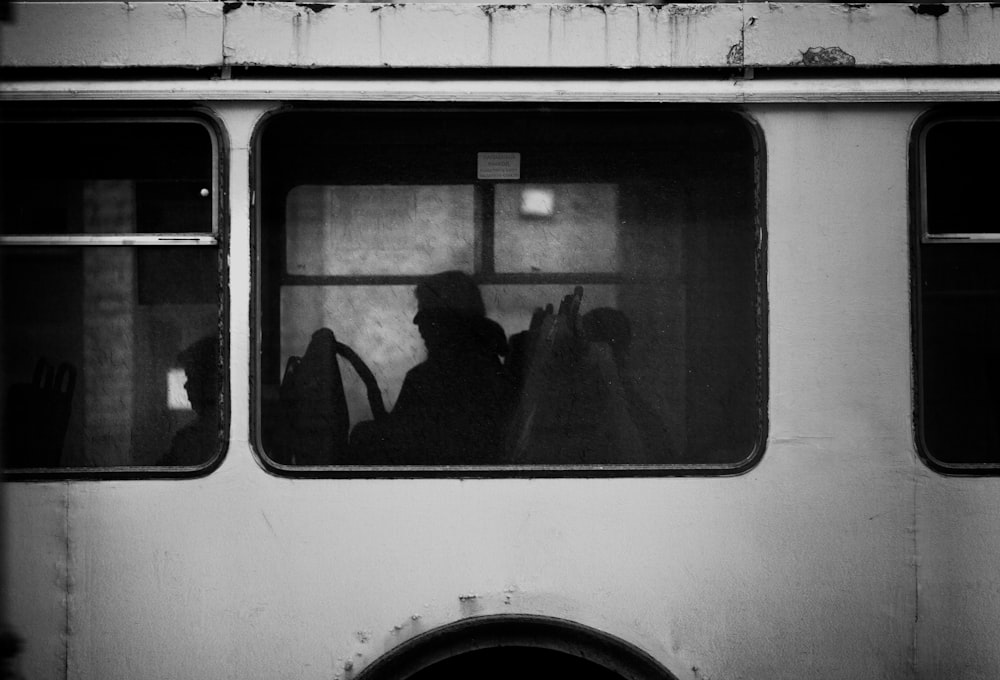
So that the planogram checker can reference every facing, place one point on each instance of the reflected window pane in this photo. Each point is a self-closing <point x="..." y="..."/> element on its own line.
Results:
<point x="557" y="228"/>
<point x="368" y="230"/>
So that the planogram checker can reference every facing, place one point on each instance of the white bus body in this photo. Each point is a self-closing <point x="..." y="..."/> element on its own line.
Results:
<point x="839" y="553"/>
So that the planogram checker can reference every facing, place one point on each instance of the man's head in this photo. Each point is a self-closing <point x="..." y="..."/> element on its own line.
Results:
<point x="605" y="324"/>
<point x="454" y="291"/>
<point x="446" y="303"/>
<point x="199" y="364"/>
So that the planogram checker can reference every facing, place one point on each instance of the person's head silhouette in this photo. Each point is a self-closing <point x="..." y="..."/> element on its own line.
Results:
<point x="453" y="291"/>
<point x="201" y="371"/>
<point x="609" y="325"/>
<point x="449" y="307"/>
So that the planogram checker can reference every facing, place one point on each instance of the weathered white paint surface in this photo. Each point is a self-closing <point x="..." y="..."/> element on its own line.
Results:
<point x="214" y="34"/>
<point x="839" y="556"/>
<point x="112" y="34"/>
<point x="959" y="538"/>
<point x="872" y="34"/>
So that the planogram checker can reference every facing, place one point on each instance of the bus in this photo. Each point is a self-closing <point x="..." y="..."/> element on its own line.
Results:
<point x="381" y="341"/>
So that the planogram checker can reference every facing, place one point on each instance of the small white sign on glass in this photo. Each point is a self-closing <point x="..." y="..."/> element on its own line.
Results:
<point x="498" y="165"/>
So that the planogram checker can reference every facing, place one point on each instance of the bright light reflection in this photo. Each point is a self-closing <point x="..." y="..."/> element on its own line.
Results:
<point x="177" y="398"/>
<point x="537" y="202"/>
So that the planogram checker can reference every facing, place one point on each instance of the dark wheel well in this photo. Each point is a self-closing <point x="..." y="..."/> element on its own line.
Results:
<point x="515" y="646"/>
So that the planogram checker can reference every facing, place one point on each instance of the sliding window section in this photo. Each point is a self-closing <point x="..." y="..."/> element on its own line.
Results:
<point x="110" y="298"/>
<point x="957" y="292"/>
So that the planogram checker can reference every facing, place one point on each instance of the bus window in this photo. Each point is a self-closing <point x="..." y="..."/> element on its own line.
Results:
<point x="510" y="289"/>
<point x="110" y="293"/>
<point x="957" y="295"/>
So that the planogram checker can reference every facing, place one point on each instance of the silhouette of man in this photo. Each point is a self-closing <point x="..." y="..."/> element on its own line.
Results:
<point x="453" y="407"/>
<point x="196" y="443"/>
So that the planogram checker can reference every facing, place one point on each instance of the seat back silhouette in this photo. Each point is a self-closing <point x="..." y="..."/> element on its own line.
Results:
<point x="36" y="417"/>
<point x="314" y="422"/>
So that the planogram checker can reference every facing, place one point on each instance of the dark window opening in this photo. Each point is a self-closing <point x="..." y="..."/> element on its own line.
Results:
<point x="110" y="343"/>
<point x="515" y="646"/>
<point x="644" y="223"/>
<point x="957" y="290"/>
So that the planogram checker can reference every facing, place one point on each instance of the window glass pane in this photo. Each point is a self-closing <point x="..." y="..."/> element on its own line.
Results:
<point x="109" y="354"/>
<point x="655" y="362"/>
<point x="557" y="228"/>
<point x="378" y="229"/>
<point x="112" y="178"/>
<point x="131" y="385"/>
<point x="960" y="195"/>
<point x="959" y="297"/>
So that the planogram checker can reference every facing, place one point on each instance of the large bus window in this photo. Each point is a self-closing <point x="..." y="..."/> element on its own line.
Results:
<point x="109" y="293"/>
<point x="957" y="294"/>
<point x="555" y="288"/>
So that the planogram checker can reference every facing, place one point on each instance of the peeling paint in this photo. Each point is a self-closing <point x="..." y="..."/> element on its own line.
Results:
<point x="315" y="7"/>
<point x="228" y="7"/>
<point x="470" y="604"/>
<point x="508" y="592"/>
<point x="935" y="10"/>
<point x="490" y="10"/>
<point x="699" y="674"/>
<point x="687" y="10"/>
<point x="735" y="55"/>
<point x="180" y="9"/>
<point x="825" y="56"/>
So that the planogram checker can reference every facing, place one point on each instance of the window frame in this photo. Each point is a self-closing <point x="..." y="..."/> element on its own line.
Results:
<point x="491" y="277"/>
<point x="14" y="113"/>
<point x="919" y="239"/>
